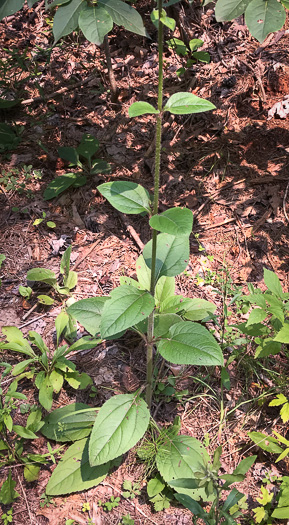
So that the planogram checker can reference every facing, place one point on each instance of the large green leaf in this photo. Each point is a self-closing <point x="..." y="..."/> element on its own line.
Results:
<point x="230" y="9"/>
<point x="74" y="473"/>
<point x="162" y="324"/>
<point x="52" y="3"/>
<point x="263" y="17"/>
<point x="172" y="255"/>
<point x="95" y="23"/>
<point x="66" y="18"/>
<point x="88" y="313"/>
<point x="198" y="309"/>
<point x="283" y="335"/>
<point x="9" y="7"/>
<point x="42" y="275"/>
<point x="187" y="103"/>
<point x="165" y="288"/>
<point x="69" y="423"/>
<point x="180" y="457"/>
<point x="175" y="221"/>
<point x="124" y="15"/>
<point x="127" y="307"/>
<point x="127" y="197"/>
<point x="141" y="108"/>
<point x="272" y="282"/>
<point x="120" y="424"/>
<point x="191" y="344"/>
<point x="62" y="183"/>
<point x="177" y="304"/>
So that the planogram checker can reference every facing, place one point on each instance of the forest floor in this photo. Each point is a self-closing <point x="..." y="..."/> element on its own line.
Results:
<point x="229" y="166"/>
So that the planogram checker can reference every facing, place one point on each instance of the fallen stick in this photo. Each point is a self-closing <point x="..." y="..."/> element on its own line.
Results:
<point x="60" y="91"/>
<point x="132" y="231"/>
<point x="78" y="263"/>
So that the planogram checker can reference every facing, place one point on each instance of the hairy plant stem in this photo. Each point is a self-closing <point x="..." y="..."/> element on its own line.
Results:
<point x="150" y="333"/>
<point x="112" y="81"/>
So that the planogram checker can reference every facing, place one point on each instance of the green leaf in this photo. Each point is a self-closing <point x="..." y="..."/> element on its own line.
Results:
<point x="31" y="472"/>
<point x="95" y="23"/>
<point x="167" y="21"/>
<point x="100" y="166"/>
<point x="190" y="344"/>
<point x="225" y="378"/>
<point x="230" y="9"/>
<point x="284" y="413"/>
<point x="65" y="261"/>
<point x="120" y="424"/>
<point x="267" y="443"/>
<point x="7" y="492"/>
<point x="56" y="379"/>
<point x="165" y="288"/>
<point x="181" y="457"/>
<point x="88" y="313"/>
<point x="244" y="465"/>
<point x="74" y="473"/>
<point x="270" y="278"/>
<point x="20" y="367"/>
<point x="141" y="108"/>
<point x="60" y="184"/>
<point x="176" y="304"/>
<point x="46" y="393"/>
<point x="49" y="4"/>
<point x="84" y="344"/>
<point x="68" y="153"/>
<point x="124" y="15"/>
<point x="232" y="499"/>
<point x="37" y="222"/>
<point x="155" y="486"/>
<point x="279" y="400"/>
<point x="178" y="45"/>
<point x="71" y="281"/>
<point x="69" y="423"/>
<point x="283" y="335"/>
<point x="89" y="144"/>
<point x="45" y="299"/>
<point x="9" y="7"/>
<point x="123" y="279"/>
<point x="162" y="324"/>
<point x="16" y="341"/>
<point x="61" y="322"/>
<point x="202" y="56"/>
<point x="172" y="255"/>
<point x="256" y="316"/>
<point x="198" y="309"/>
<point x="127" y="197"/>
<point x="281" y="513"/>
<point x="66" y="19"/>
<point x="192" y="505"/>
<point x="175" y="221"/>
<point x="24" y="432"/>
<point x="187" y="103"/>
<point x="143" y="273"/>
<point x="51" y="224"/>
<point x="42" y="275"/>
<point x="127" y="307"/>
<point x="263" y="17"/>
<point x="195" y="43"/>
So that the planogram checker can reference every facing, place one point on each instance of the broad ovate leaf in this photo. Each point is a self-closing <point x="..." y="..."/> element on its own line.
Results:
<point x="172" y="255"/>
<point x="88" y="313"/>
<point x="198" y="309"/>
<point x="263" y="17"/>
<point x="69" y="423"/>
<point x="141" y="108"/>
<point x="230" y="9"/>
<point x="120" y="424"/>
<point x="273" y="283"/>
<point x="126" y="307"/>
<point x="187" y="103"/>
<point x="165" y="288"/>
<point x="42" y="275"/>
<point x="191" y="344"/>
<point x="124" y="15"/>
<point x="66" y="19"/>
<point x="74" y="473"/>
<point x="127" y="197"/>
<point x="95" y="22"/>
<point x="175" y="221"/>
<point x="9" y="7"/>
<point x="60" y="184"/>
<point x="89" y="144"/>
<point x="181" y="457"/>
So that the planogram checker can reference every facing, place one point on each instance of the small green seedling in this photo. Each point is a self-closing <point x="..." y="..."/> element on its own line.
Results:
<point x="278" y="401"/>
<point x="49" y="224"/>
<point x="7" y="517"/>
<point x="54" y="366"/>
<point x="110" y="504"/>
<point x="131" y="490"/>
<point x="190" y="53"/>
<point x="48" y="277"/>
<point x="25" y="291"/>
<point x="83" y="158"/>
<point x="7" y="492"/>
<point x="127" y="520"/>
